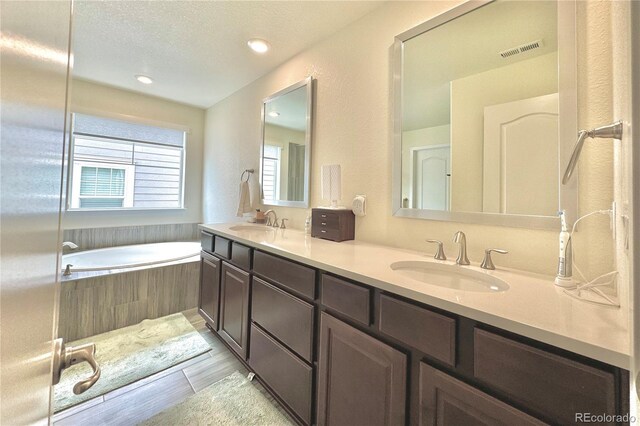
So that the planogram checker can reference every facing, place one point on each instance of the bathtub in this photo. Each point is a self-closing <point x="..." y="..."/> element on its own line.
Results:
<point x="115" y="287"/>
<point x="125" y="257"/>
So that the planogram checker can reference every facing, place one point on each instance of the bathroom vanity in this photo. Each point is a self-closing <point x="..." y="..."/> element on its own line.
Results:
<point x="339" y="337"/>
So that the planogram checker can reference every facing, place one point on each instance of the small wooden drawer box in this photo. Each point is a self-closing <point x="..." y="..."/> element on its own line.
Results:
<point x="333" y="224"/>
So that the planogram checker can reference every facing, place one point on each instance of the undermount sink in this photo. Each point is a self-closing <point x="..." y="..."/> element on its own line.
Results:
<point x="450" y="276"/>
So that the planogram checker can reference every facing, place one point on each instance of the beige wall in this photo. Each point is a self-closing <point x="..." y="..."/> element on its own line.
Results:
<point x="469" y="96"/>
<point x="353" y="127"/>
<point x="92" y="98"/>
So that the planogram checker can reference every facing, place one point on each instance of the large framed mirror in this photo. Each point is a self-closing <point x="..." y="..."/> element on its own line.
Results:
<point x="485" y="114"/>
<point x="286" y="146"/>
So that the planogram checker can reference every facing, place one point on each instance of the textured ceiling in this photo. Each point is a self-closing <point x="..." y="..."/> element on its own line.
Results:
<point x="196" y="51"/>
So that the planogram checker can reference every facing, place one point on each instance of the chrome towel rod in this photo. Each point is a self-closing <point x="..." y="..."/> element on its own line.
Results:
<point x="249" y="172"/>
<point x="610" y="131"/>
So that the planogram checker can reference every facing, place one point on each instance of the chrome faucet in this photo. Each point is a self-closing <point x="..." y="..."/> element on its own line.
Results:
<point x="67" y="270"/>
<point x="70" y="245"/>
<point x="275" y="218"/>
<point x="440" y="252"/>
<point x="487" y="262"/>
<point x="461" y="239"/>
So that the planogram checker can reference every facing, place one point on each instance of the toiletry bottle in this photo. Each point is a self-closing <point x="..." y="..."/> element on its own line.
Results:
<point x="563" y="278"/>
<point x="307" y="224"/>
<point x="260" y="217"/>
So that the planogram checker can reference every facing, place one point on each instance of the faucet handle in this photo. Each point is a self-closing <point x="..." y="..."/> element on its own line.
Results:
<point x="487" y="263"/>
<point x="440" y="252"/>
<point x="282" y="225"/>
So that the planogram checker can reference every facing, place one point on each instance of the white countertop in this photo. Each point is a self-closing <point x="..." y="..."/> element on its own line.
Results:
<point x="533" y="306"/>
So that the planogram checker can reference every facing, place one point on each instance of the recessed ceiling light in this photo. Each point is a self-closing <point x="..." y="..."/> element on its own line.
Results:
<point x="258" y="45"/>
<point x="144" y="79"/>
<point x="274" y="114"/>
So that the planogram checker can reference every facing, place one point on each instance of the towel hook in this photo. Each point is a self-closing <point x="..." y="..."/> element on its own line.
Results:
<point x="249" y="172"/>
<point x="610" y="131"/>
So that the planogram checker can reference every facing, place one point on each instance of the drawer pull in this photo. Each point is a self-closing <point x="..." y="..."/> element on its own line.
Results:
<point x="323" y="223"/>
<point x="323" y="215"/>
<point x="323" y="231"/>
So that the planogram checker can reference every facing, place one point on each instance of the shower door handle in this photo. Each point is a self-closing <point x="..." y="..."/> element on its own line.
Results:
<point x="66" y="356"/>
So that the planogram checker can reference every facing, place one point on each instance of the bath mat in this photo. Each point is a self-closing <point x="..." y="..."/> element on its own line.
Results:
<point x="129" y="354"/>
<point x="232" y="401"/>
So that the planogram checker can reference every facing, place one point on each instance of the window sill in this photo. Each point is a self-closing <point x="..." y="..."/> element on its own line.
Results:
<point x="126" y="209"/>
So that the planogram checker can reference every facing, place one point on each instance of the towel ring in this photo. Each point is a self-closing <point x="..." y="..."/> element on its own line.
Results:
<point x="249" y="172"/>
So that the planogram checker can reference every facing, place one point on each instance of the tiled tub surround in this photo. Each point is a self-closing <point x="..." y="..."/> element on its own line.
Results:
<point x="95" y="238"/>
<point x="532" y="307"/>
<point x="118" y="298"/>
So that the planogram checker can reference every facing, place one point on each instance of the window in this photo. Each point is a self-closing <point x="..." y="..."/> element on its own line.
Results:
<point x="119" y="165"/>
<point x="271" y="172"/>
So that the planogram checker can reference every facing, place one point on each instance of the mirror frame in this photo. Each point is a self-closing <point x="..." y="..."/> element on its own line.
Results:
<point x="308" y="82"/>
<point x="567" y="129"/>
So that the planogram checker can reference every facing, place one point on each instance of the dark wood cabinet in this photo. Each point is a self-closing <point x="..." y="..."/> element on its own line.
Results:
<point x="446" y="401"/>
<point x="209" y="299"/>
<point x="332" y="224"/>
<point x="337" y="352"/>
<point x="296" y="278"/>
<point x="283" y="371"/>
<point x="234" y="308"/>
<point x="284" y="316"/>
<point x="431" y="333"/>
<point x="565" y="388"/>
<point x="361" y="381"/>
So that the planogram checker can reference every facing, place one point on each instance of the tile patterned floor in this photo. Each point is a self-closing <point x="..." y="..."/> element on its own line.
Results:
<point x="145" y="398"/>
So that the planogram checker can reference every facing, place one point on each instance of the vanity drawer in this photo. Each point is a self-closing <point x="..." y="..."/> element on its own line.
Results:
<point x="549" y="384"/>
<point x="286" y="317"/>
<point x="429" y="332"/>
<point x="324" y="218"/>
<point x="241" y="256"/>
<point x="222" y="247"/>
<point x="327" y="234"/>
<point x="297" y="278"/>
<point x="284" y="372"/>
<point x="206" y="242"/>
<point x="351" y="300"/>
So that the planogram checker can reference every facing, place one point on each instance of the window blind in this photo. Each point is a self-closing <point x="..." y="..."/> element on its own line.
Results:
<point x="118" y="129"/>
<point x="156" y="155"/>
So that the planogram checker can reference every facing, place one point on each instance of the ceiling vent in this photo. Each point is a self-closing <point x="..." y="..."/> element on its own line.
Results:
<point x="522" y="48"/>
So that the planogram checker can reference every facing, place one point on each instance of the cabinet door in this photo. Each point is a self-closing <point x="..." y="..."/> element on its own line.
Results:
<point x="234" y="308"/>
<point x="445" y="401"/>
<point x="361" y="381"/>
<point x="209" y="290"/>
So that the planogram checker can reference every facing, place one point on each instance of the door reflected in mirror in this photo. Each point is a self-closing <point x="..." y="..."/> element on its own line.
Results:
<point x="286" y="146"/>
<point x="478" y="126"/>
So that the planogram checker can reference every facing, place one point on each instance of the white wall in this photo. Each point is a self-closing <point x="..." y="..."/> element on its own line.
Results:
<point x="353" y="127"/>
<point x="469" y="96"/>
<point x="92" y="98"/>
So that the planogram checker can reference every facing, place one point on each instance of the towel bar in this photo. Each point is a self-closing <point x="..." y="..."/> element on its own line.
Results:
<point x="249" y="172"/>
